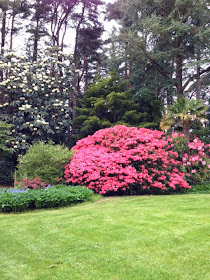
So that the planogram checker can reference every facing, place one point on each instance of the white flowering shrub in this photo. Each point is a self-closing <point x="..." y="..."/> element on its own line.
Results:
<point x="36" y="97"/>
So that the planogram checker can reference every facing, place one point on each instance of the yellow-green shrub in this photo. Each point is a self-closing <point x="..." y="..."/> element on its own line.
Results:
<point x="45" y="161"/>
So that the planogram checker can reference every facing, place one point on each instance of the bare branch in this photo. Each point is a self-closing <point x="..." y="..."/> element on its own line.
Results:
<point x="195" y="75"/>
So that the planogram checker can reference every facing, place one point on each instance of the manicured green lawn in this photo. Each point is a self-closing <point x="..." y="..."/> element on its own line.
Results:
<point x="115" y="238"/>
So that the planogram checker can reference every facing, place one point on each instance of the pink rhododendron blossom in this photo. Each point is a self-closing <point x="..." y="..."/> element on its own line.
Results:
<point x="119" y="157"/>
<point x="193" y="157"/>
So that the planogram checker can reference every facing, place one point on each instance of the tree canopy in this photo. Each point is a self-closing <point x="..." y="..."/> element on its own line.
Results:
<point x="58" y="86"/>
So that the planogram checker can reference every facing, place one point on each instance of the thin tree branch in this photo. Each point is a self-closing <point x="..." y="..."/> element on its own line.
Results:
<point x="156" y="65"/>
<point x="195" y="75"/>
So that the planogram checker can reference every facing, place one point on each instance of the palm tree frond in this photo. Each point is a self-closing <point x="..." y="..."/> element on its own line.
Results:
<point x="183" y="111"/>
<point x="167" y="121"/>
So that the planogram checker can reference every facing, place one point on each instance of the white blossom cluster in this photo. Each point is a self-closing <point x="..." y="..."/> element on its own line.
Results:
<point x="36" y="96"/>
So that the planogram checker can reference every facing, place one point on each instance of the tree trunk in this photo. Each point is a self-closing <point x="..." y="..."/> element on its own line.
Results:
<point x="11" y="32"/>
<point x="3" y="35"/>
<point x="179" y="62"/>
<point x="130" y="65"/>
<point x="77" y="79"/>
<point x="179" y="74"/>
<point x="198" y="78"/>
<point x="36" y="38"/>
<point x="186" y="129"/>
<point x="86" y="77"/>
<point x="3" y="31"/>
<point x="126" y="70"/>
<point x="10" y="99"/>
<point x="77" y="34"/>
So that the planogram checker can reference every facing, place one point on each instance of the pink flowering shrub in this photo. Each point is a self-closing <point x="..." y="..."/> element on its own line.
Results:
<point x="124" y="158"/>
<point x="194" y="157"/>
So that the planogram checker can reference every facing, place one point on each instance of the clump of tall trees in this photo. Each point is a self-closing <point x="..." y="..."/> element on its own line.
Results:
<point x="67" y="81"/>
<point x="165" y="45"/>
<point x="72" y="26"/>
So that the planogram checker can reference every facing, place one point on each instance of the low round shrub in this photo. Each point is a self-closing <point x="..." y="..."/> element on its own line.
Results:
<point x="121" y="158"/>
<point x="45" y="161"/>
<point x="35" y="183"/>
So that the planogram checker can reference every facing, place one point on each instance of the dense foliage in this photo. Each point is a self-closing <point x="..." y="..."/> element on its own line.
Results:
<point x="162" y="46"/>
<point x="194" y="157"/>
<point x="43" y="160"/>
<point x="108" y="102"/>
<point x="18" y="200"/>
<point x="36" y="97"/>
<point x="121" y="157"/>
<point x="104" y="104"/>
<point x="55" y="81"/>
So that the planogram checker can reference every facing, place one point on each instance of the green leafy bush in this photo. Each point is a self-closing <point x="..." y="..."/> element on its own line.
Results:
<point x="15" y="200"/>
<point x="203" y="134"/>
<point x="45" y="161"/>
<point x="108" y="102"/>
<point x="35" y="103"/>
<point x="201" y="188"/>
<point x="18" y="200"/>
<point x="61" y="196"/>
<point x="194" y="157"/>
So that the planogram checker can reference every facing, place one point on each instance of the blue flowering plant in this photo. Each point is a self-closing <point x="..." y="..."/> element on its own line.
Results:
<point x="14" y="190"/>
<point x="14" y="200"/>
